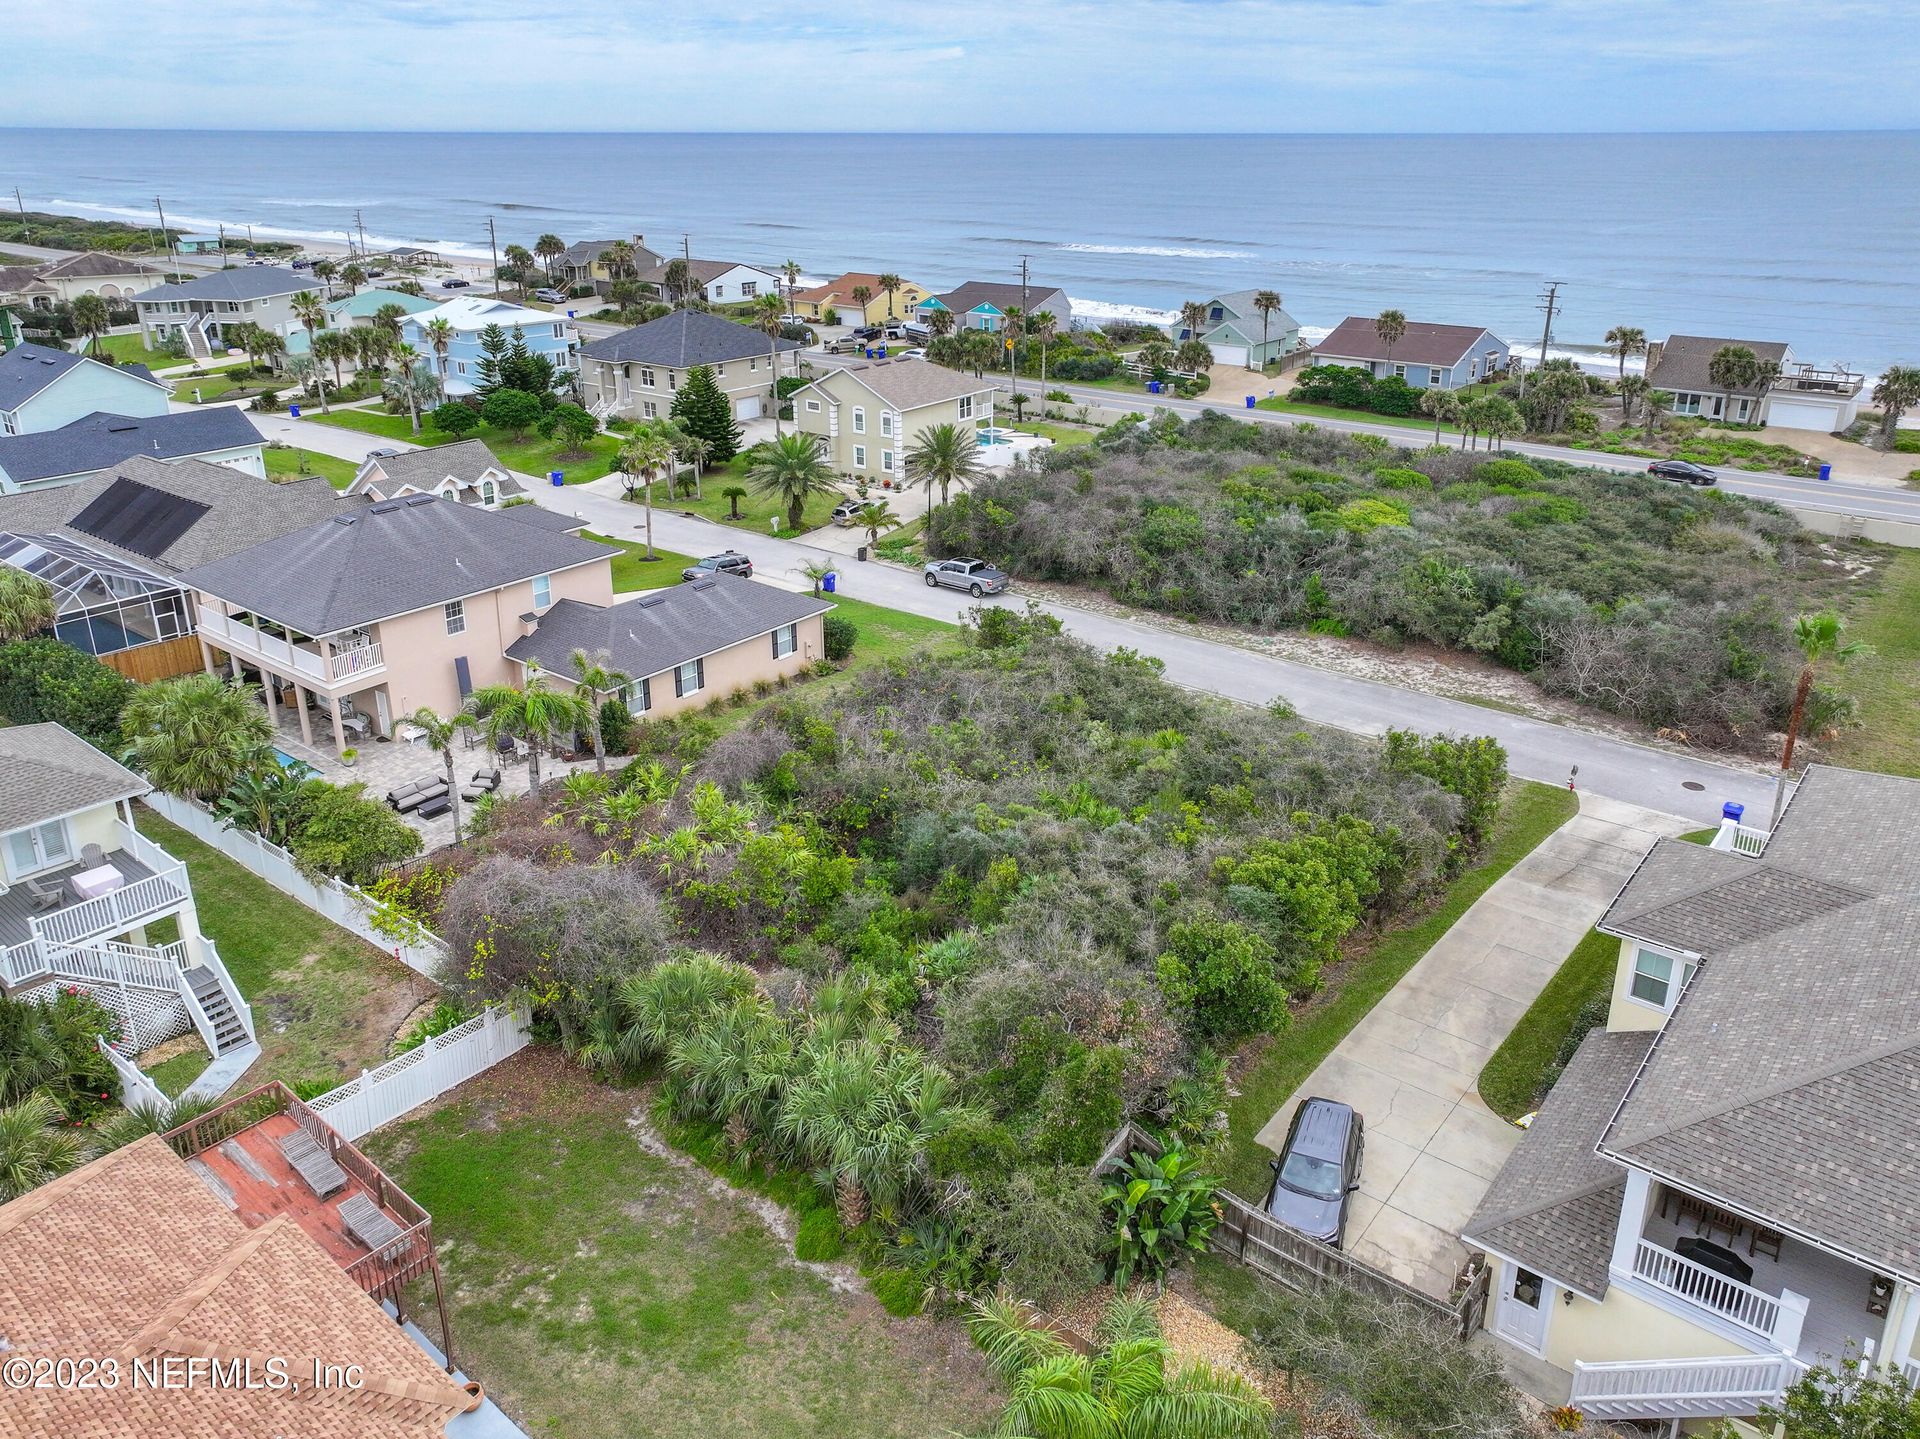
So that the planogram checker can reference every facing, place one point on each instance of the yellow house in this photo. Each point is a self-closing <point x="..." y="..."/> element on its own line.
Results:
<point x="868" y="416"/>
<point x="1718" y="1193"/>
<point x="837" y="295"/>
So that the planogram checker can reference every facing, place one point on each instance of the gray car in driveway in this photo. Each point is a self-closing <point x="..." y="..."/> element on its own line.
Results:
<point x="1318" y="1170"/>
<point x="976" y="577"/>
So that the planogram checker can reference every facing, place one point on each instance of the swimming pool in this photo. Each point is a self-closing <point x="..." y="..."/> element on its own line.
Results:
<point x="285" y="760"/>
<point x="994" y="436"/>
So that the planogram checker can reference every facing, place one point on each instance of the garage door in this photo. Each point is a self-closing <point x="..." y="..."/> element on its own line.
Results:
<point x="1229" y="354"/>
<point x="1801" y="415"/>
<point x="747" y="409"/>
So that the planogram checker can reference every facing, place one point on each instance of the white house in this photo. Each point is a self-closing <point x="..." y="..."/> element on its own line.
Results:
<point x="1788" y="394"/>
<point x="466" y="471"/>
<point x="636" y="373"/>
<point x="721" y="282"/>
<point x="200" y="311"/>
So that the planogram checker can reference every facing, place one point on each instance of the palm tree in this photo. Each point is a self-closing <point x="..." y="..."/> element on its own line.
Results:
<point x="643" y="457"/>
<point x="1897" y="391"/>
<point x="324" y="271"/>
<point x="196" y="734"/>
<point x="1391" y="327"/>
<point x="618" y="258"/>
<point x="1193" y="318"/>
<point x="90" y="315"/>
<point x="1733" y="368"/>
<point x="595" y="674"/>
<point x="439" y="335"/>
<point x="1129" y="1388"/>
<point x="1043" y="327"/>
<point x="521" y="258"/>
<point x="408" y="380"/>
<point x="1501" y="419"/>
<point x="26" y="605"/>
<point x="793" y="469"/>
<point x="1626" y="341"/>
<point x="1819" y="637"/>
<point x="679" y="282"/>
<point x="533" y="712"/>
<point x="439" y="732"/>
<point x="768" y="314"/>
<point x="549" y="248"/>
<point x="946" y="455"/>
<point x="861" y="294"/>
<point x="248" y="337"/>
<point x="940" y="323"/>
<point x="733" y="494"/>
<point x="332" y="347"/>
<point x="694" y="451"/>
<point x="1266" y="302"/>
<point x="353" y="277"/>
<point x="888" y="284"/>
<point x="311" y="311"/>
<point x="1443" y="405"/>
<point x="1651" y="404"/>
<point x="790" y="271"/>
<point x="876" y="517"/>
<point x="1632" y="389"/>
<point x="37" y="1144"/>
<point x="814" y="572"/>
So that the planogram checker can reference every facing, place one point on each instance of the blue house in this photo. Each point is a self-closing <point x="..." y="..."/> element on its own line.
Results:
<point x="43" y="389"/>
<point x="982" y="305"/>
<point x="1427" y="356"/>
<point x="1239" y="334"/>
<point x="458" y="367"/>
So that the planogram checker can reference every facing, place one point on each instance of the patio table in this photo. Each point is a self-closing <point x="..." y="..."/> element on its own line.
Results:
<point x="101" y="879"/>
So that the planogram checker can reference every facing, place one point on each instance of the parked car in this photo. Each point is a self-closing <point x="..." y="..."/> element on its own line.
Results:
<point x="1318" y="1170"/>
<point x="1684" y="471"/>
<point x="385" y="452"/>
<point x="976" y="577"/>
<point x="552" y="297"/>
<point x="729" y="562"/>
<point x="866" y="332"/>
<point x="454" y="282"/>
<point x="301" y="264"/>
<point x="846" y="345"/>
<point x="376" y="273"/>
<point x="913" y="330"/>
<point x="912" y="353"/>
<point x="847" y="512"/>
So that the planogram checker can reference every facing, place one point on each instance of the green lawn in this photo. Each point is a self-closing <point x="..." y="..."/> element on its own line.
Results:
<point x="325" y="1004"/>
<point x="1886" y="685"/>
<point x="634" y="571"/>
<point x="1531" y="813"/>
<point x="1513" y="1078"/>
<point x="602" y="1290"/>
<point x="1063" y="435"/>
<point x="222" y="385"/>
<point x="756" y="509"/>
<point x="175" y="1074"/>
<point x="290" y="462"/>
<point x="530" y="454"/>
<point x="372" y="422"/>
<point x="132" y="349"/>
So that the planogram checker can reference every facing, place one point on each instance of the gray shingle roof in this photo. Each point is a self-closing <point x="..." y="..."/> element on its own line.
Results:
<point x="47" y="770"/>
<point x="705" y="272"/>
<point x="100" y="440"/>
<point x="1555" y="1204"/>
<point x="1001" y="297"/>
<point x="686" y="337"/>
<point x="243" y="509"/>
<point x="96" y="262"/>
<point x="1683" y="360"/>
<point x="653" y="633"/>
<point x="908" y="384"/>
<point x="1680" y="901"/>
<point x="27" y="369"/>
<point x="387" y="559"/>
<point x="243" y="282"/>
<point x="464" y="461"/>
<point x="1240" y="303"/>
<point x="1354" y="338"/>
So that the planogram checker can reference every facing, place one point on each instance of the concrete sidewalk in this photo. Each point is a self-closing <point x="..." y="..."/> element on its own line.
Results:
<point x="1411" y="1066"/>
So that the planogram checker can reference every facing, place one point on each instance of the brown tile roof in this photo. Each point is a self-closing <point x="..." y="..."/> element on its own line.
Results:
<point x="1683" y="360"/>
<point x="132" y="1257"/>
<point x="1354" y="338"/>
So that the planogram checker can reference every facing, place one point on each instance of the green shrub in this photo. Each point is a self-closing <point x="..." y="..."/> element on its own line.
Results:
<point x="453" y="418"/>
<point x="1159" y="1210"/>
<point x="443" y="1016"/>
<point x="47" y="679"/>
<point x="901" y="1292"/>
<point x="616" y="726"/>
<point x="50" y="1047"/>
<point x="1222" y="973"/>
<point x="1508" y="472"/>
<point x="1395" y="478"/>
<point x="340" y="832"/>
<point x="837" y="637"/>
<point x="818" y="1240"/>
<point x="1041" y="1226"/>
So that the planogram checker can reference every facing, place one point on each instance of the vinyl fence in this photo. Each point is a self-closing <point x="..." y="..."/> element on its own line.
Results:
<point x="345" y="905"/>
<point x="137" y="1091"/>
<point x="412" y="1079"/>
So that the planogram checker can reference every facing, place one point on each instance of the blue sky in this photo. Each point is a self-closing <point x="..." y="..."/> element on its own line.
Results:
<point x="1118" y="65"/>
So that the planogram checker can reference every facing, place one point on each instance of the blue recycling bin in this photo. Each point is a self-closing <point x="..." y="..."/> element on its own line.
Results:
<point x="830" y="582"/>
<point x="293" y="411"/>
<point x="883" y="352"/>
<point x="869" y="352"/>
<point x="1732" y="810"/>
<point x="559" y="477"/>
<point x="1249" y="402"/>
<point x="570" y="315"/>
<point x="1153" y="387"/>
<point x="1826" y="472"/>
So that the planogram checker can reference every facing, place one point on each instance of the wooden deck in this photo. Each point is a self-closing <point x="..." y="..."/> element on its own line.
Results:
<point x="17" y="908"/>
<point x="249" y="1175"/>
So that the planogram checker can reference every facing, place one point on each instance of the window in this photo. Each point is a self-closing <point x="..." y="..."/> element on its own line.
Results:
<point x="649" y="410"/>
<point x="786" y="640"/>
<point x="639" y="697"/>
<point x="673" y="379"/>
<point x="1653" y="978"/>
<point x="859" y="420"/>
<point x="886" y="461"/>
<point x="718" y="291"/>
<point x="859" y="457"/>
<point x="749" y="288"/>
<point x="1686" y="403"/>
<point x="690" y="678"/>
<point x="1473" y="368"/>
<point x="646" y="376"/>
<point x="1433" y="377"/>
<point x="966" y="407"/>
<point x="886" y="422"/>
<point x="457" y="617"/>
<point x="813" y="407"/>
<point x="542" y="591"/>
<point x="1399" y="372"/>
<point x="487" y="492"/>
<point x="559" y="332"/>
<point x="753" y="362"/>
<point x="41" y="847"/>
<point x="719" y="370"/>
<point x="459" y="367"/>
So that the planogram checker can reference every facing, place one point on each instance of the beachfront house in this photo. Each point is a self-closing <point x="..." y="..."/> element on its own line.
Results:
<point x="114" y="278"/>
<point x="42" y="389"/>
<point x="1718" y="1192"/>
<point x="635" y="374"/>
<point x="112" y="547"/>
<point x="719" y="282"/>
<point x="82" y="885"/>
<point x="359" y="619"/>
<point x="200" y="311"/>
<point x="1427" y="356"/>
<point x="983" y="305"/>
<point x="836" y="296"/>
<point x="217" y="435"/>
<point x="585" y="263"/>
<point x="868" y="415"/>
<point x="545" y="334"/>
<point x="466" y="472"/>
<point x="1238" y="334"/>
<point x="1787" y="394"/>
<point x="199" y="244"/>
<point x="681" y="648"/>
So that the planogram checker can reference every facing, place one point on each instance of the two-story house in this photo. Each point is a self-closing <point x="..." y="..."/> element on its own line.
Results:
<point x="584" y="262"/>
<point x="1238" y="333"/>
<point x="1787" y="393"/>
<point x="216" y="434"/>
<point x="984" y="305"/>
<point x="356" y="621"/>
<point x="719" y="282"/>
<point x="1719" y="1191"/>
<point x="1427" y="356"/>
<point x="458" y="367"/>
<point x="465" y="471"/>
<point x="200" y="311"/>
<point x="114" y="278"/>
<point x="43" y="389"/>
<point x="357" y="311"/>
<point x="79" y="886"/>
<point x="814" y="302"/>
<point x="636" y="373"/>
<point x="868" y="415"/>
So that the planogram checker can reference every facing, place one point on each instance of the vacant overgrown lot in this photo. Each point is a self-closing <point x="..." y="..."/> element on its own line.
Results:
<point x="1667" y="605"/>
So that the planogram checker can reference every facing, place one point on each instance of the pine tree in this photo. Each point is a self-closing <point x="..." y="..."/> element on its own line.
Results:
<point x="488" y="372"/>
<point x="522" y="369"/>
<point x="704" y="411"/>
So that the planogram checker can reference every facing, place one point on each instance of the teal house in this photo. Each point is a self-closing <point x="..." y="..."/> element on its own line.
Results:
<point x="981" y="305"/>
<point x="359" y="309"/>
<point x="44" y="389"/>
<point x="1238" y="332"/>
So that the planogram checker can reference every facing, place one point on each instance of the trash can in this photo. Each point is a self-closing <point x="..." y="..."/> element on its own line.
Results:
<point x="1153" y="387"/>
<point x="861" y="553"/>
<point x="1826" y="472"/>
<point x="558" y="477"/>
<point x="883" y="353"/>
<point x="293" y="411"/>
<point x="1249" y="402"/>
<point x="1732" y="810"/>
<point x="830" y="581"/>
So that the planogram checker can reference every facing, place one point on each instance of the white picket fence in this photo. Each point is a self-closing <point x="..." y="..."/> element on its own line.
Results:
<point x="346" y="906"/>
<point x="409" y="1080"/>
<point x="137" y="1091"/>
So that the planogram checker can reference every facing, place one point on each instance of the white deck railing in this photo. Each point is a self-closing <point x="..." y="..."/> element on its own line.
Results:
<point x="1639" y="1389"/>
<point x="362" y="660"/>
<point x="252" y="642"/>
<point x="137" y="1091"/>
<point x="1742" y="839"/>
<point x="1741" y="1305"/>
<point x="116" y="911"/>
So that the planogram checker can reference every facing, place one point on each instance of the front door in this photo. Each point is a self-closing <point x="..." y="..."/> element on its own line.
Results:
<point x="1522" y="1315"/>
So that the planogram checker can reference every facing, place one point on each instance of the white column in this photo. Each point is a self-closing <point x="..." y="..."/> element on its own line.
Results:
<point x="1904" y="1316"/>
<point x="1633" y="1220"/>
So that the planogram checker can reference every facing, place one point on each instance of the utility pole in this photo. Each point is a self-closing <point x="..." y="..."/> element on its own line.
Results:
<point x="361" y="226"/>
<point x="1013" y="340"/>
<point x="493" y="244"/>
<point x="163" y="237"/>
<point x="1547" y="302"/>
<point x="25" y="232"/>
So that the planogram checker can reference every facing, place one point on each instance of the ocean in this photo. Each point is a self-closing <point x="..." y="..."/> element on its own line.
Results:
<point x="1807" y="238"/>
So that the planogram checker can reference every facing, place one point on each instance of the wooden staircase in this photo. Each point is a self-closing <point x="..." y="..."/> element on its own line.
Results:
<point x="1727" y="1388"/>
<point x="229" y="1032"/>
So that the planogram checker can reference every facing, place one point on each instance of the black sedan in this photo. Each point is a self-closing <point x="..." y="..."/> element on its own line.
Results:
<point x="1683" y="471"/>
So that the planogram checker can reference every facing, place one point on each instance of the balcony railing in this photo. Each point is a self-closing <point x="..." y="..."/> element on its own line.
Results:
<point x="1776" y="1320"/>
<point x="117" y="911"/>
<point x="252" y="642"/>
<point x="1682" y="1388"/>
<point x="363" y="660"/>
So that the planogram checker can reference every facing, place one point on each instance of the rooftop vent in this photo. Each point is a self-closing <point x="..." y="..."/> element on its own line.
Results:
<point x="650" y="601"/>
<point x="415" y="501"/>
<point x="345" y="519"/>
<point x="703" y="584"/>
<point x="121" y="429"/>
<point x="385" y="509"/>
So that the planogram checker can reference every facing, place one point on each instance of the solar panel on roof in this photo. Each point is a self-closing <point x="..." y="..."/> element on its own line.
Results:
<point x="138" y="517"/>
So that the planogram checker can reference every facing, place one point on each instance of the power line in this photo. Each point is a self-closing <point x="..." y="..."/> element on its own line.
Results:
<point x="1547" y="302"/>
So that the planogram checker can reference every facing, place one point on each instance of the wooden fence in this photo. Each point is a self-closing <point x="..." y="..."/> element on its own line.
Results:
<point x="1287" y="1257"/>
<point x="161" y="660"/>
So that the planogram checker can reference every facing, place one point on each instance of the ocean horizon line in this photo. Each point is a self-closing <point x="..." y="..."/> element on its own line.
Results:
<point x="10" y="128"/>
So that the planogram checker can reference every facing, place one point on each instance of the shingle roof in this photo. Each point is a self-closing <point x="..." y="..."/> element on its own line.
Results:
<point x="387" y="559"/>
<point x="101" y="440"/>
<point x="1679" y="900"/>
<point x="908" y="384"/>
<point x="243" y="282"/>
<point x="464" y="461"/>
<point x="96" y="262"/>
<point x="132" y="1255"/>
<point x="1240" y="303"/>
<point x="15" y="278"/>
<point x="1683" y="360"/>
<point x="585" y="252"/>
<point x="47" y="770"/>
<point x="844" y="287"/>
<point x="653" y="633"/>
<point x="704" y="271"/>
<point x="1423" y="344"/>
<point x="243" y="509"/>
<point x="986" y="292"/>
<point x="1555" y="1204"/>
<point x="684" y="338"/>
<point x="27" y="369"/>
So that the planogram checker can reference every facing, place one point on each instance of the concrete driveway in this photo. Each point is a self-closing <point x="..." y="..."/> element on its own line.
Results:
<point x="1410" y="1067"/>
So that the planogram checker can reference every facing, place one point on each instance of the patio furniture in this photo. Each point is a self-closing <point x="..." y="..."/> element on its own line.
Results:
<point x="47" y="893"/>
<point x="1767" y="1241"/>
<point x="355" y="724"/>
<point x="435" y="806"/>
<point x="1719" y="1259"/>
<point x="312" y="1163"/>
<point x="484" y="781"/>
<point x="1710" y="1217"/>
<point x="101" y="879"/>
<point x="416" y="792"/>
<point x="409" y="733"/>
<point x="368" y="1223"/>
<point x="92" y="856"/>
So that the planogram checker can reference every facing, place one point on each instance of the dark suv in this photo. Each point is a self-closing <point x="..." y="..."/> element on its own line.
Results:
<point x="1318" y="1170"/>
<point x="732" y="562"/>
